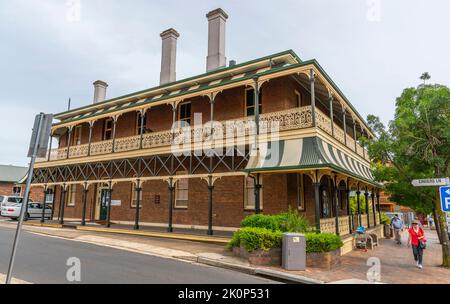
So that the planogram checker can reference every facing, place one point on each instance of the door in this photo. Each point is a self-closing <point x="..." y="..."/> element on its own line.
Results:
<point x="102" y="203"/>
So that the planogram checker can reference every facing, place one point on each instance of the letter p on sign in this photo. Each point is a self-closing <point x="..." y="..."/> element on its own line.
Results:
<point x="445" y="198"/>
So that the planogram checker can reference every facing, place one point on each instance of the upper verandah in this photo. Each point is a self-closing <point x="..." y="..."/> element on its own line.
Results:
<point x="265" y="68"/>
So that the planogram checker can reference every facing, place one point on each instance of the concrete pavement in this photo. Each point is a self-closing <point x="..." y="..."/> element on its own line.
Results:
<point x="42" y="259"/>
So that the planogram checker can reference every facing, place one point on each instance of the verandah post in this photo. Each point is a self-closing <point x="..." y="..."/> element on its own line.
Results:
<point x="366" y="196"/>
<point x="108" y="216"/>
<point x="358" y="200"/>
<point x="138" y="204"/>
<point x="316" y="186"/>
<point x="85" y="193"/>
<point x="210" y="205"/>
<point x="170" y="206"/>
<point x="44" y="204"/>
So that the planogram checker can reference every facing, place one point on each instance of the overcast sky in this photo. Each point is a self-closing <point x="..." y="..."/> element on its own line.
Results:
<point x="371" y="49"/>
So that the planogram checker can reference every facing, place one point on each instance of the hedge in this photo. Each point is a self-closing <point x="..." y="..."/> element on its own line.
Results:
<point x="285" y="222"/>
<point x="253" y="238"/>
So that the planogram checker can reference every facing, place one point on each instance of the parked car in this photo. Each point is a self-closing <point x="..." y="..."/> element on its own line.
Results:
<point x="10" y="200"/>
<point x="34" y="211"/>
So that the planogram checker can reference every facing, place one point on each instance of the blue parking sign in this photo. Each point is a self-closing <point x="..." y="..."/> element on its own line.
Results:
<point x="445" y="198"/>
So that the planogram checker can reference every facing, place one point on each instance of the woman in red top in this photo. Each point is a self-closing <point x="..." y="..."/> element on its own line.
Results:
<point x="417" y="240"/>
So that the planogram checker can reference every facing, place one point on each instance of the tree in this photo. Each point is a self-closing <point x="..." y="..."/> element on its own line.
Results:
<point x="425" y="76"/>
<point x="415" y="145"/>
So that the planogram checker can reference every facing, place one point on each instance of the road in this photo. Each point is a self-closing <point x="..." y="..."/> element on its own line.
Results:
<point x="42" y="259"/>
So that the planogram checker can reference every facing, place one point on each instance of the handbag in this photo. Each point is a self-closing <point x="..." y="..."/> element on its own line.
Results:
<point x="422" y="245"/>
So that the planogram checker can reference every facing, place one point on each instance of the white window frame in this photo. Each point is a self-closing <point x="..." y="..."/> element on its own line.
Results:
<point x="72" y="196"/>
<point x="177" y="205"/>
<point x="52" y="195"/>
<point x="17" y="193"/>
<point x="246" y="107"/>
<point x="301" y="204"/>
<point x="77" y="135"/>
<point x="249" y="190"/>
<point x="133" y="197"/>
<point x="185" y="119"/>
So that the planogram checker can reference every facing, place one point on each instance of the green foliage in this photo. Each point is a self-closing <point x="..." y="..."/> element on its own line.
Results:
<point x="289" y="221"/>
<point x="260" y="238"/>
<point x="354" y="204"/>
<point x="385" y="220"/>
<point x="415" y="145"/>
<point x="253" y="238"/>
<point x="322" y="242"/>
<point x="269" y="222"/>
<point x="266" y="232"/>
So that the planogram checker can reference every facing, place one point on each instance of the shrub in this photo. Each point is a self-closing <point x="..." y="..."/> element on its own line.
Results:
<point x="322" y="242"/>
<point x="253" y="238"/>
<point x="385" y="220"/>
<point x="269" y="222"/>
<point x="286" y="222"/>
<point x="260" y="238"/>
<point x="293" y="222"/>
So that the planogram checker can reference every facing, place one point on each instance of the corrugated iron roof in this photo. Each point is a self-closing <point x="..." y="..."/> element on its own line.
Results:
<point x="12" y="174"/>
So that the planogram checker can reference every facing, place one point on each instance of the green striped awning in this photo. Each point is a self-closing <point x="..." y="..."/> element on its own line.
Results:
<point x="306" y="153"/>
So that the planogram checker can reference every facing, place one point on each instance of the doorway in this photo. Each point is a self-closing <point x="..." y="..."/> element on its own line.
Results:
<point x="101" y="209"/>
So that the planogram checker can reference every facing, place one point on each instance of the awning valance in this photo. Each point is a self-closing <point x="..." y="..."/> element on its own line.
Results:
<point x="306" y="153"/>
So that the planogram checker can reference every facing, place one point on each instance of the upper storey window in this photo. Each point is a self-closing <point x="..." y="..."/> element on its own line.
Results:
<point x="107" y="129"/>
<point x="250" y="102"/>
<point x="298" y="99"/>
<point x="141" y="124"/>
<point x="77" y="136"/>
<point x="184" y="112"/>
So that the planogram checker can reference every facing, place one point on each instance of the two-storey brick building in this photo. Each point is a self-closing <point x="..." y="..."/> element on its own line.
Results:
<point x="298" y="148"/>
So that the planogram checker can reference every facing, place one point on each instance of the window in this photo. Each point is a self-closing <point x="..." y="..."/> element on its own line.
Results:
<point x="298" y="98"/>
<point x="184" y="112"/>
<point x="134" y="197"/>
<point x="49" y="196"/>
<point x="72" y="195"/>
<point x="107" y="129"/>
<point x="182" y="192"/>
<point x="17" y="190"/>
<point x="77" y="136"/>
<point x="300" y="193"/>
<point x="140" y="128"/>
<point x="326" y="202"/>
<point x="249" y="195"/>
<point x="250" y="102"/>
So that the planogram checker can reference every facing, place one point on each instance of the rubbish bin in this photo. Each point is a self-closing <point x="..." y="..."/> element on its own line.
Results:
<point x="294" y="251"/>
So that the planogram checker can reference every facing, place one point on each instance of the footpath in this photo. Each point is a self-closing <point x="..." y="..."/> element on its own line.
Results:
<point x="396" y="261"/>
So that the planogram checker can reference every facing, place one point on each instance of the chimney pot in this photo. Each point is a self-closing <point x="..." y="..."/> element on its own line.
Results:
<point x="100" y="91"/>
<point x="169" y="56"/>
<point x="216" y="39"/>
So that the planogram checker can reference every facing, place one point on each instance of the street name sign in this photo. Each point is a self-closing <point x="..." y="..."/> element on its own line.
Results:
<point x="445" y="198"/>
<point x="430" y="182"/>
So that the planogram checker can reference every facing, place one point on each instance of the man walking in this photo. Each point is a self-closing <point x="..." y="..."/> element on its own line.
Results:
<point x="397" y="225"/>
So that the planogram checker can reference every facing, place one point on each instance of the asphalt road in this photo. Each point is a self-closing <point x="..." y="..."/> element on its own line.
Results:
<point x="42" y="259"/>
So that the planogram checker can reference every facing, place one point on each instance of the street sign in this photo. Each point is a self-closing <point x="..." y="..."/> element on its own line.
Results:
<point x="430" y="182"/>
<point x="44" y="134"/>
<point x="445" y="198"/>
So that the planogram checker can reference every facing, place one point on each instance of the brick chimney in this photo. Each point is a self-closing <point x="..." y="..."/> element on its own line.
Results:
<point x="100" y="91"/>
<point x="216" y="39"/>
<point x="169" y="56"/>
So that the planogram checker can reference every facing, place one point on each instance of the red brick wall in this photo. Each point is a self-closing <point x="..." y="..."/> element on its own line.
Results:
<point x="228" y="201"/>
<point x="36" y="194"/>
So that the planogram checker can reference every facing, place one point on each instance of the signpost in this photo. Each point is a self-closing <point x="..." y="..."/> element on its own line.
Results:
<point x="445" y="198"/>
<point x="38" y="148"/>
<point x="430" y="182"/>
